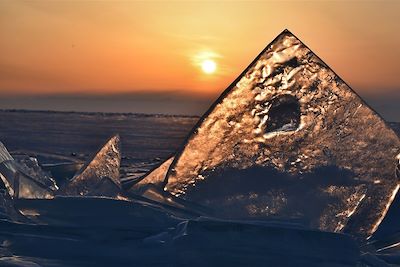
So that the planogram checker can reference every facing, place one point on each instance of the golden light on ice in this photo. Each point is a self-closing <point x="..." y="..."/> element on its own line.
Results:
<point x="208" y="66"/>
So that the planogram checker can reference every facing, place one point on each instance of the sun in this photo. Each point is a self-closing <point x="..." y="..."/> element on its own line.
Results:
<point x="208" y="66"/>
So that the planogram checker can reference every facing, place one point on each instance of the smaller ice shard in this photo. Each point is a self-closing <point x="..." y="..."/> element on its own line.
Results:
<point x="155" y="176"/>
<point x="155" y="194"/>
<point x="100" y="175"/>
<point x="150" y="187"/>
<point x="23" y="177"/>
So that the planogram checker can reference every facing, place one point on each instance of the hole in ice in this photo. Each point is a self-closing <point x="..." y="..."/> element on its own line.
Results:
<point x="284" y="114"/>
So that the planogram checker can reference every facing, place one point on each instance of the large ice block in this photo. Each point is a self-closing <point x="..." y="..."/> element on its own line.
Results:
<point x="289" y="139"/>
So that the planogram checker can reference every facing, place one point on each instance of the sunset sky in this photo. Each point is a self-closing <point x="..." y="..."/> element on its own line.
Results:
<point x="150" y="56"/>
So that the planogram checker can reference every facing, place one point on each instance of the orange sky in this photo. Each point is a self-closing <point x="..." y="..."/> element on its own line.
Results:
<point x="111" y="47"/>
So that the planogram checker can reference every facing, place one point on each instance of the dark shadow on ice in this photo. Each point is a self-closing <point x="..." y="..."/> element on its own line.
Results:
<point x="265" y="192"/>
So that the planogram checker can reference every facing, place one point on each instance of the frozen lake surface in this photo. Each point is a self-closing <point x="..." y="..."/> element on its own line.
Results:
<point x="106" y="232"/>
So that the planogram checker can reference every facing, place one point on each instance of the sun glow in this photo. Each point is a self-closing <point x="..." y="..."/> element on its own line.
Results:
<point x="208" y="66"/>
<point x="206" y="62"/>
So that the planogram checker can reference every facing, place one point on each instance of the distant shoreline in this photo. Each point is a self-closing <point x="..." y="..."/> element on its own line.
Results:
<point x="135" y="114"/>
<point x="141" y="115"/>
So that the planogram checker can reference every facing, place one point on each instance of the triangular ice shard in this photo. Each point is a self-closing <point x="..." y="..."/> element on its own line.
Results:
<point x="290" y="140"/>
<point x="100" y="175"/>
